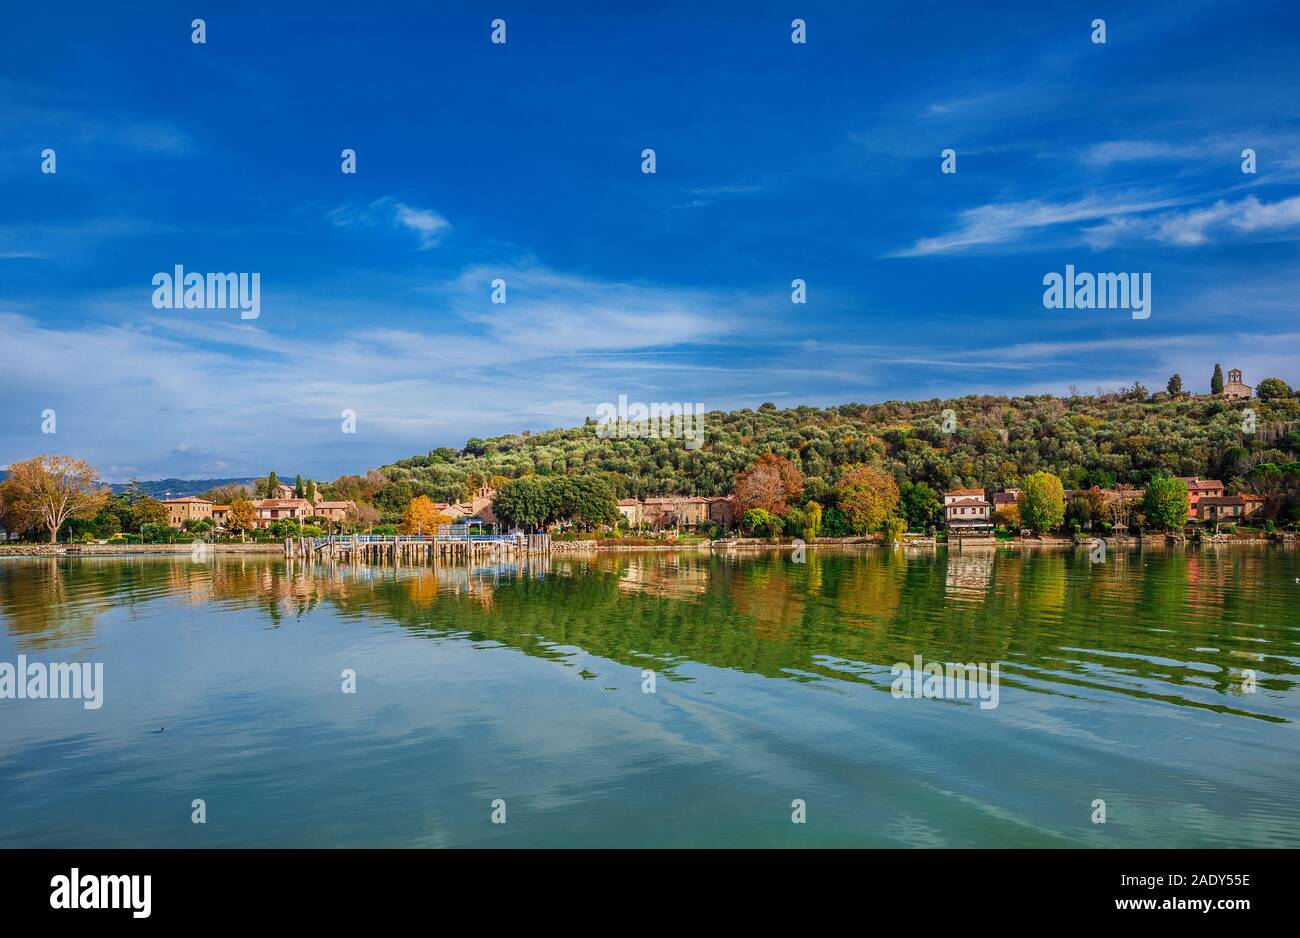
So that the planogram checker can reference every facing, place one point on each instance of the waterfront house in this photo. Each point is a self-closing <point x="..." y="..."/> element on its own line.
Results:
<point x="675" y="511"/>
<point x="479" y="506"/>
<point x="960" y="494"/>
<point x="966" y="509"/>
<point x="220" y="513"/>
<point x="967" y="513"/>
<point x="1216" y="508"/>
<point x="1200" y="488"/>
<point x="1254" y="505"/>
<point x="191" y="508"/>
<point x="722" y="511"/>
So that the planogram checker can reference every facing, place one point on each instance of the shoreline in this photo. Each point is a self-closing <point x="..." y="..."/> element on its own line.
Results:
<point x="81" y="550"/>
<point x="744" y="545"/>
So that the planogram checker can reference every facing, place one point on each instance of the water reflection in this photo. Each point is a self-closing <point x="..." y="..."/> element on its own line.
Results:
<point x="1174" y="626"/>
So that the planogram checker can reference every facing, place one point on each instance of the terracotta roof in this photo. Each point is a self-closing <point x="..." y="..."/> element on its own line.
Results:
<point x="629" y="501"/>
<point x="282" y="503"/>
<point x="969" y="501"/>
<point x="188" y="499"/>
<point x="1221" y="500"/>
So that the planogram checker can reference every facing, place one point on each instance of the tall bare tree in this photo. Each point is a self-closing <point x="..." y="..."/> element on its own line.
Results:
<point x="51" y="490"/>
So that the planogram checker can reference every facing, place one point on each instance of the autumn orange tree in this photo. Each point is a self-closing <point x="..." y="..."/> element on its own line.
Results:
<point x="767" y="484"/>
<point x="422" y="516"/>
<point x="242" y="516"/>
<point x="51" y="490"/>
<point x="867" y="497"/>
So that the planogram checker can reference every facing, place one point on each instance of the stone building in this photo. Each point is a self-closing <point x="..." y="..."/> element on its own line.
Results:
<point x="191" y="508"/>
<point x="1235" y="389"/>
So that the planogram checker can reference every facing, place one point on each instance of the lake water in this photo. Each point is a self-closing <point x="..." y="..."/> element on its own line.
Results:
<point x="1120" y="682"/>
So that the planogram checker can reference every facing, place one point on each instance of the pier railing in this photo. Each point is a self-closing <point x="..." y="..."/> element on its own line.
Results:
<point x="417" y="548"/>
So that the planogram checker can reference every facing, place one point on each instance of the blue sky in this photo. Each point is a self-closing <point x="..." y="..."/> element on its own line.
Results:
<point x="523" y="161"/>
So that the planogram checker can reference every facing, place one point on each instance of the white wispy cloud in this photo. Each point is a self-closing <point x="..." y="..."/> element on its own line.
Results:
<point x="1005" y="223"/>
<point x="427" y="225"/>
<point x="1111" y="152"/>
<point x="179" y="393"/>
<point x="1247" y="218"/>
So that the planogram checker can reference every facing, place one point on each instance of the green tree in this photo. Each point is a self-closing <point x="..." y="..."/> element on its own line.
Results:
<point x="1175" y="386"/>
<point x="892" y="532"/>
<point x="1216" y="381"/>
<point x="148" y="511"/>
<point x="1167" y="503"/>
<point x="921" y="505"/>
<point x="523" y="502"/>
<point x="1273" y="389"/>
<point x="298" y="491"/>
<point x="1042" y="502"/>
<point x="812" y="514"/>
<point x="107" y="523"/>
<point x="265" y="488"/>
<point x="761" y="522"/>
<point x="587" y="501"/>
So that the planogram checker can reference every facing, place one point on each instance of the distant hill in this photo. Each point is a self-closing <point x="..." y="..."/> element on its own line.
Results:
<point x="178" y="488"/>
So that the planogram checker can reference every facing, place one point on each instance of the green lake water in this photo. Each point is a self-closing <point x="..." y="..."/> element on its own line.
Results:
<point x="1124" y="682"/>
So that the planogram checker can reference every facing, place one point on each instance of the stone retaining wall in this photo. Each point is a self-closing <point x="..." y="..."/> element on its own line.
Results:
<point x="82" y="550"/>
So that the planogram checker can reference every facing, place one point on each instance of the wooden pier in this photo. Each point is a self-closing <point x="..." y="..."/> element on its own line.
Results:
<point x="417" y="549"/>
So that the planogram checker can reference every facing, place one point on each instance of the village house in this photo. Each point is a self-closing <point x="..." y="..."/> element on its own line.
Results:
<point x="1254" y="505"/>
<point x="676" y="511"/>
<point x="722" y="511"/>
<point x="479" y="506"/>
<point x="335" y="512"/>
<point x="220" y="514"/>
<point x="1004" y="499"/>
<point x="271" y="510"/>
<point x="285" y="492"/>
<point x="190" y="508"/>
<point x="959" y="494"/>
<point x="1200" y="488"/>
<point x="630" y="509"/>
<point x="1216" y="508"/>
<point x="967" y="513"/>
<point x="1235" y="389"/>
